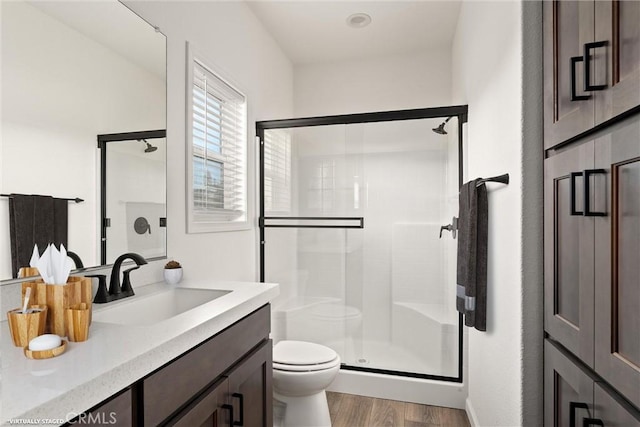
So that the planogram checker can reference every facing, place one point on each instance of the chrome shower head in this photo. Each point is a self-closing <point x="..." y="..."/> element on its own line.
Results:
<point x="440" y="129"/>
<point x="150" y="148"/>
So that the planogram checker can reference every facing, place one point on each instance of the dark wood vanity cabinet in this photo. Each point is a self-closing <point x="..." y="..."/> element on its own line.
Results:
<point x="229" y="373"/>
<point x="115" y="411"/>
<point x="591" y="64"/>
<point x="242" y="397"/>
<point x="574" y="398"/>
<point x="224" y="381"/>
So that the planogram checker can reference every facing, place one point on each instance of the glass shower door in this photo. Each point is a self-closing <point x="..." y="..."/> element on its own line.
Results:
<point x="313" y="235"/>
<point x="350" y="230"/>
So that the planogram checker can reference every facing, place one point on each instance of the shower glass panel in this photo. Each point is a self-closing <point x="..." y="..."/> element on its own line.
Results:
<point x="350" y="229"/>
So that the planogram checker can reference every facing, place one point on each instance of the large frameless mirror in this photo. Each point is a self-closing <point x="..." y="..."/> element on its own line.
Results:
<point x="72" y="71"/>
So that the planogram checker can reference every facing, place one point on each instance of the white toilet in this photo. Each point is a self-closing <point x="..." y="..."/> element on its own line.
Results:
<point x="301" y="373"/>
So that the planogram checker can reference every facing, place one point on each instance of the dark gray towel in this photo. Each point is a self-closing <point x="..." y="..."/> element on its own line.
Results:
<point x="472" y="255"/>
<point x="34" y="220"/>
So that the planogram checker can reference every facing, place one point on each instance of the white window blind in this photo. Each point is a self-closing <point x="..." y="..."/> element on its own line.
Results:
<point x="277" y="171"/>
<point x="218" y="149"/>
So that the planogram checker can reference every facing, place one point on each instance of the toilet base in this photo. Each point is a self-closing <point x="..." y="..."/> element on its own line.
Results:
<point x="305" y="411"/>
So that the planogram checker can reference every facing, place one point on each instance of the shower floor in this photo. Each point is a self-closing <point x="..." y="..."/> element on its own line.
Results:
<point x="389" y="356"/>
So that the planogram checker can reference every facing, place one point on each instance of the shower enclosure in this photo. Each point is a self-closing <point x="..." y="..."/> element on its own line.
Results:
<point x="355" y="215"/>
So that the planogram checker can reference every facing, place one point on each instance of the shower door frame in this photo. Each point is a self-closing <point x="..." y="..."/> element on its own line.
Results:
<point x="459" y="111"/>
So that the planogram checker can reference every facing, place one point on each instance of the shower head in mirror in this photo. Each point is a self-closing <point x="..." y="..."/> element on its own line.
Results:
<point x="440" y="129"/>
<point x="150" y="148"/>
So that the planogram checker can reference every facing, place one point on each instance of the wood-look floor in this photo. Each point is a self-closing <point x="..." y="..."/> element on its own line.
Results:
<point x="350" y="410"/>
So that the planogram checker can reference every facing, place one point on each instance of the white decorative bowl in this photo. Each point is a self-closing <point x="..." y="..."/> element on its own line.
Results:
<point x="173" y="275"/>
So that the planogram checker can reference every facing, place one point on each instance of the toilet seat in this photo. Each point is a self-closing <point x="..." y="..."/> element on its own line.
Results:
<point x="301" y="356"/>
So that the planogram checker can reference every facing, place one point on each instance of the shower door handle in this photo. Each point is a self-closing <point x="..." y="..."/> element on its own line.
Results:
<point x="453" y="227"/>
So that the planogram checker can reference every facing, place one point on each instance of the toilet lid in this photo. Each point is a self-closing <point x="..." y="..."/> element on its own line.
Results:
<point x="302" y="353"/>
<point x="306" y="368"/>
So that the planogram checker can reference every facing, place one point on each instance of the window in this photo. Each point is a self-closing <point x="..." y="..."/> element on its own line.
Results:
<point x="277" y="171"/>
<point x="217" y="152"/>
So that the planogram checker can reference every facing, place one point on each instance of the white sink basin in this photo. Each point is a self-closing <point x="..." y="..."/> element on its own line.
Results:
<point x="154" y="308"/>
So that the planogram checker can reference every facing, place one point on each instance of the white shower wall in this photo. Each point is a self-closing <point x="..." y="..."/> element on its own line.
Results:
<point x="395" y="175"/>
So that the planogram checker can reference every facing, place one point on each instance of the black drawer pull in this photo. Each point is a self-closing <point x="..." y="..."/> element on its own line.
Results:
<point x="587" y="66"/>
<point x="574" y="97"/>
<point x="587" y="191"/>
<point x="572" y="411"/>
<point x="230" y="409"/>
<point x="241" y="421"/>
<point x="572" y="195"/>
<point x="592" y="422"/>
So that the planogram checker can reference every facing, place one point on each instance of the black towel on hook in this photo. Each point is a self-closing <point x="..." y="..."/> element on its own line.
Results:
<point x="34" y="220"/>
<point x="473" y="218"/>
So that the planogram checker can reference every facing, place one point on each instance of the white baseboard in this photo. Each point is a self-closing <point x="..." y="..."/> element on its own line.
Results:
<point x="473" y="419"/>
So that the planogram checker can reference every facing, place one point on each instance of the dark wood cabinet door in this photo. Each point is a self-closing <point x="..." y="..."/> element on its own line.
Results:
<point x="568" y="260"/>
<point x="612" y="411"/>
<point x="116" y="411"/>
<point x="208" y="410"/>
<point x="250" y="388"/>
<point x="618" y="64"/>
<point x="565" y="386"/>
<point x="568" y="25"/>
<point x="617" y="261"/>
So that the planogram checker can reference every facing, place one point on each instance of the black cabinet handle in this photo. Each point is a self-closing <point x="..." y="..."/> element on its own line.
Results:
<point x="241" y="421"/>
<point x="572" y="195"/>
<point x="574" y="97"/>
<point x="572" y="411"/>
<point x="230" y="409"/>
<point x="592" y="422"/>
<point x="587" y="66"/>
<point x="587" y="191"/>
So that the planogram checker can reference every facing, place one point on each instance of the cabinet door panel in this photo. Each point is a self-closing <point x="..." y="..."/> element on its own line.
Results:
<point x="617" y="277"/>
<point x="250" y="388"/>
<point x="116" y="411"/>
<point x="617" y="23"/>
<point x="568" y="254"/>
<point x="206" y="411"/>
<point x="568" y="25"/>
<point x="564" y="383"/>
<point x="613" y="412"/>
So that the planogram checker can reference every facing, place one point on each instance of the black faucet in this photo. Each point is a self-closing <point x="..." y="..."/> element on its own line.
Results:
<point x="117" y="291"/>
<point x="76" y="259"/>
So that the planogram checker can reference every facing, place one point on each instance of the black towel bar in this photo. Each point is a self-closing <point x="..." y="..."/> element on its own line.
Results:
<point x="502" y="179"/>
<point x="77" y="200"/>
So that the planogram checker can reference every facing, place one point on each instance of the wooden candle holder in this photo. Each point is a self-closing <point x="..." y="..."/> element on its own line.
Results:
<point x="58" y="298"/>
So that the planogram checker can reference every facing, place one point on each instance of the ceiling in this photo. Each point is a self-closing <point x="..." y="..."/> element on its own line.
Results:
<point x="317" y="31"/>
<point x="113" y="25"/>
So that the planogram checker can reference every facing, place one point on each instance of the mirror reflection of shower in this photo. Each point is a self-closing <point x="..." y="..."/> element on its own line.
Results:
<point x="150" y="148"/>
<point x="440" y="129"/>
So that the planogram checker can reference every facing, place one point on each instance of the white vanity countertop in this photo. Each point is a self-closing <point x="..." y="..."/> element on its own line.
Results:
<point x="115" y="356"/>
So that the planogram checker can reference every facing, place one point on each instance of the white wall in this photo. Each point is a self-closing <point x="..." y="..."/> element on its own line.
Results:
<point x="238" y="47"/>
<point x="60" y="89"/>
<point x="400" y="82"/>
<point x="488" y="75"/>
